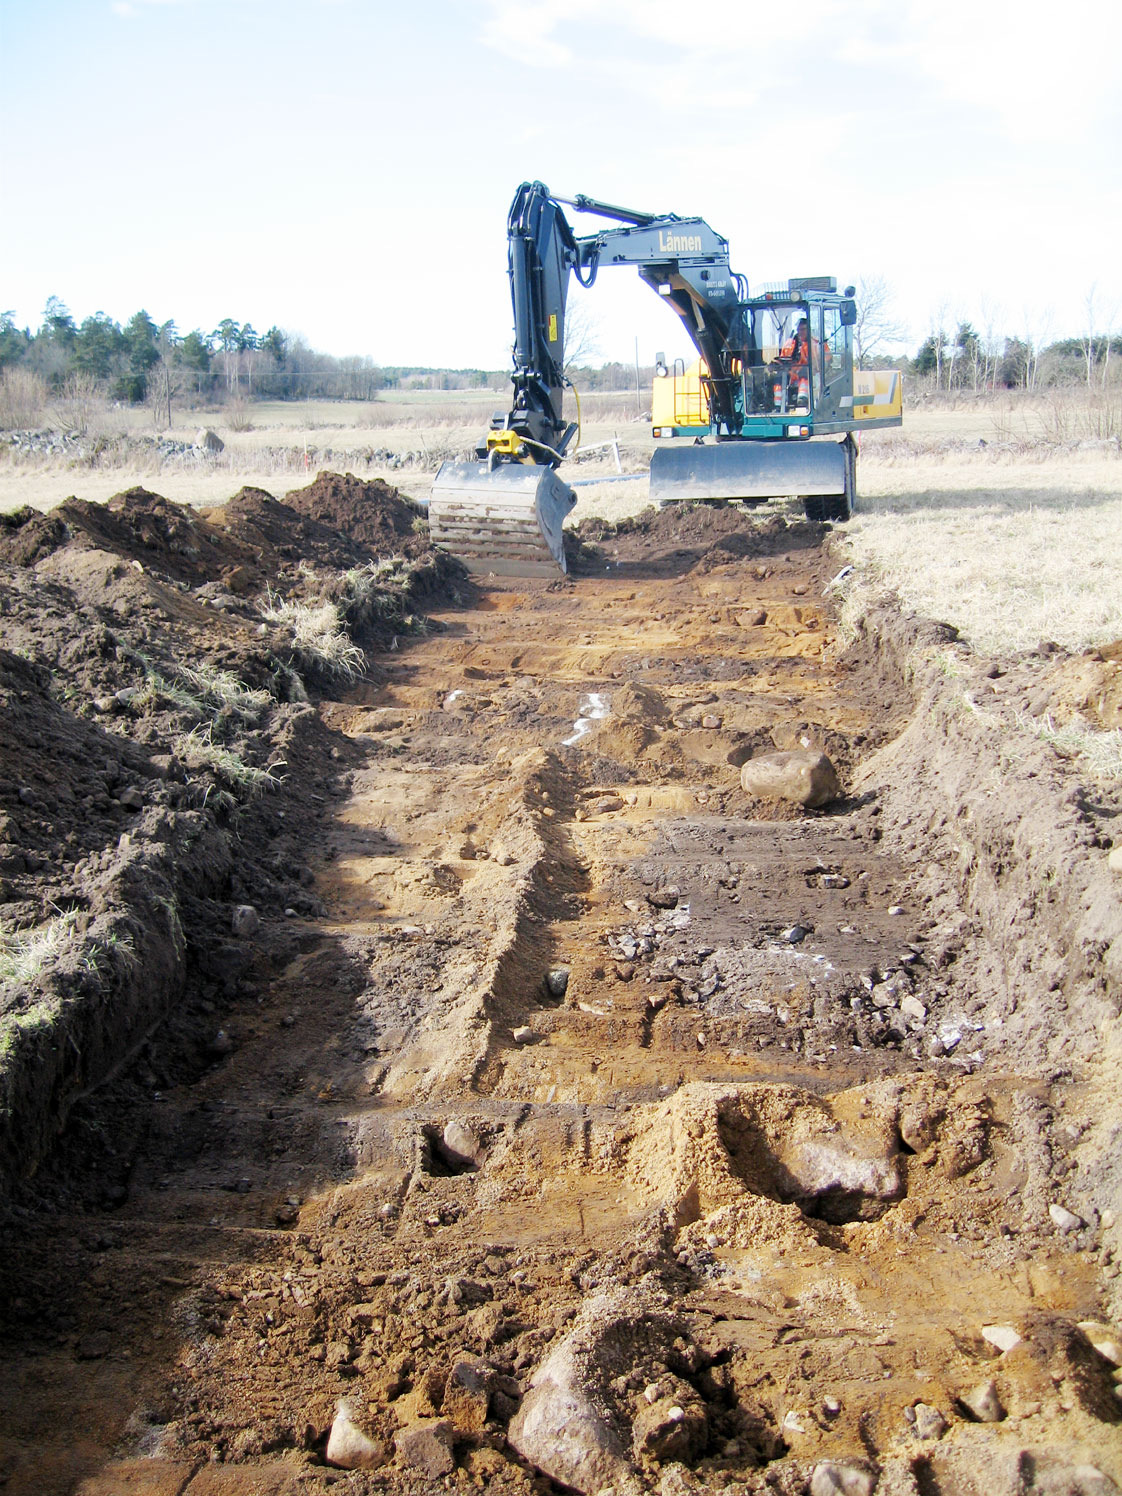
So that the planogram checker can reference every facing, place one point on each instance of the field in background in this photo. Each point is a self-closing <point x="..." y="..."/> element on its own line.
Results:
<point x="1001" y="516"/>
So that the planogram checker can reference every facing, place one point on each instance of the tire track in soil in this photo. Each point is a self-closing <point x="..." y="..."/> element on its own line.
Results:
<point x="722" y="1154"/>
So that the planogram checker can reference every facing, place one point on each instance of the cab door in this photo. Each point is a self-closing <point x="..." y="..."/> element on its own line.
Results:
<point x="832" y="363"/>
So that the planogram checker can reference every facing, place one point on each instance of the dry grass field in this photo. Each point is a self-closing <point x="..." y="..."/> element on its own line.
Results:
<point x="975" y="513"/>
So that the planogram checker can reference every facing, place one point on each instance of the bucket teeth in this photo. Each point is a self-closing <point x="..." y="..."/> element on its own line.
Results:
<point x="505" y="519"/>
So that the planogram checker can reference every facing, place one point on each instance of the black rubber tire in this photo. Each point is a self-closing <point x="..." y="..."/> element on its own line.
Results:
<point x="836" y="507"/>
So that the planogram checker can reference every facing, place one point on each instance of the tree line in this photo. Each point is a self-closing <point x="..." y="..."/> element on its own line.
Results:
<point x="145" y="360"/>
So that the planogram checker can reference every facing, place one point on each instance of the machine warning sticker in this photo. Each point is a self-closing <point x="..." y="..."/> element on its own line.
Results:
<point x="553" y="327"/>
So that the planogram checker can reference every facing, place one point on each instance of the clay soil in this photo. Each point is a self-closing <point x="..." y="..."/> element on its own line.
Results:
<point x="458" y="1044"/>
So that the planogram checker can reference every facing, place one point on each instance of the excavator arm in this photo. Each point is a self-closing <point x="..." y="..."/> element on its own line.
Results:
<point x="683" y="260"/>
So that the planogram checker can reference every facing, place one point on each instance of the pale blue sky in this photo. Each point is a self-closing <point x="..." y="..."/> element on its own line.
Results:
<point x="344" y="167"/>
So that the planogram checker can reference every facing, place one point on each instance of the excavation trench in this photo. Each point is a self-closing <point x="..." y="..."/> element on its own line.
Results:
<point x="704" y="1133"/>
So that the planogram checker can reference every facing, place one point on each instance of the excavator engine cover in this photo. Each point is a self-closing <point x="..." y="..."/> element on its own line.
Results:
<point x="749" y="470"/>
<point x="504" y="519"/>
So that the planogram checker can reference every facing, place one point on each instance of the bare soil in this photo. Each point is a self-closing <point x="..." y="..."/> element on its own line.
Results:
<point x="572" y="1119"/>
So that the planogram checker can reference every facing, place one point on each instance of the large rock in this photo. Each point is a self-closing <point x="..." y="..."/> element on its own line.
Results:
<point x="559" y="1430"/>
<point x="801" y="777"/>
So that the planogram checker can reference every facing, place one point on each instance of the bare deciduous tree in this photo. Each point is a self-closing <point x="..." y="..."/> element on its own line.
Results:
<point x="876" y="326"/>
<point x="581" y="335"/>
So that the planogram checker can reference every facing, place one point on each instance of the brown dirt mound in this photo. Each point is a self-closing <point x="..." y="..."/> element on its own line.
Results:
<point x="370" y="512"/>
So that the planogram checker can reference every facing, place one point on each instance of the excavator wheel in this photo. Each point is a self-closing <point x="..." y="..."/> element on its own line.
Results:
<point x="837" y="507"/>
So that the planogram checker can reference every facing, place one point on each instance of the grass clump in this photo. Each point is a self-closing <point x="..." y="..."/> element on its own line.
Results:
<point x="197" y="750"/>
<point x="319" y="640"/>
<point x="1099" y="748"/>
<point x="202" y="690"/>
<point x="25" y="953"/>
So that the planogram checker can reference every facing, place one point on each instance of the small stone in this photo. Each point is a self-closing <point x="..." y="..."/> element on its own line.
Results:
<point x="523" y="1034"/>
<point x="131" y="798"/>
<point x="911" y="1007"/>
<point x="801" y="777"/>
<point x="795" y="935"/>
<point x="1114" y="859"/>
<point x="427" y="1447"/>
<point x="1003" y="1337"/>
<point x="983" y="1403"/>
<point x="625" y="970"/>
<point x="245" y="921"/>
<point x="895" y="909"/>
<point x="710" y="722"/>
<point x="1065" y="1220"/>
<point x="557" y="981"/>
<point x="664" y="898"/>
<point x="605" y="804"/>
<point x="751" y="618"/>
<point x="842" y="1478"/>
<point x="349" y="1448"/>
<point x="929" y="1422"/>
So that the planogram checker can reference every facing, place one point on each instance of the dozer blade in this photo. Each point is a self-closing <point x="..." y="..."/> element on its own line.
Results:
<point x="747" y="470"/>
<point x="506" y="519"/>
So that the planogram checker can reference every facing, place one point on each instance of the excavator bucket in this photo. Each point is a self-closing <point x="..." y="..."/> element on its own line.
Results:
<point x="749" y="470"/>
<point x="504" y="519"/>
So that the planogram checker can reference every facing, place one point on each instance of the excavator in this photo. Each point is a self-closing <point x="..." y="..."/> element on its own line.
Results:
<point x="773" y="371"/>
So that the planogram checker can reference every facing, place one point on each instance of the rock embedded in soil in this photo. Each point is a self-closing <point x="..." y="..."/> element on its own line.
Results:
<point x="245" y="921"/>
<point x="1002" y="1337"/>
<point x="842" y="1478"/>
<point x="673" y="1427"/>
<point x="929" y="1422"/>
<point x="1063" y="1219"/>
<point x="983" y="1403"/>
<point x="349" y="1448"/>
<point x="427" y="1447"/>
<point x="798" y="777"/>
<point x="467" y="1394"/>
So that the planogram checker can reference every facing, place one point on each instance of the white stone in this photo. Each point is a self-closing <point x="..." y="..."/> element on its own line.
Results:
<point x="911" y="1007"/>
<point x="1114" y="859"/>
<point x="1064" y="1220"/>
<point x="1004" y="1337"/>
<point x="351" y="1449"/>
<point x="245" y="921"/>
